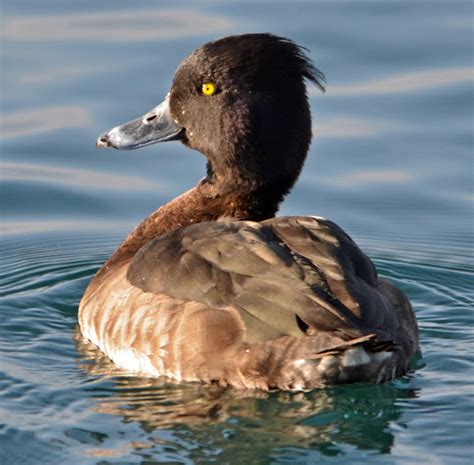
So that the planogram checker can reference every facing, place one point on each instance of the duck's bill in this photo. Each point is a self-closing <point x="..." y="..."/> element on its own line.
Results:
<point x="156" y="126"/>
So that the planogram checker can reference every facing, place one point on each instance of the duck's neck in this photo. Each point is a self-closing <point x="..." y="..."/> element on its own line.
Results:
<point x="208" y="201"/>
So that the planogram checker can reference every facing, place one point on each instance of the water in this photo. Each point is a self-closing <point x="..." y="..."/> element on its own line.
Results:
<point x="391" y="164"/>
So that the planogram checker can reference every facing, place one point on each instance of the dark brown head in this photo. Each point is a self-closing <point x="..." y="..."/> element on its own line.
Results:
<point x="241" y="101"/>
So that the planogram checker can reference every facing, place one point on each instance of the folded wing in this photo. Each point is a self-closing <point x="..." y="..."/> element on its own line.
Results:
<point x="290" y="276"/>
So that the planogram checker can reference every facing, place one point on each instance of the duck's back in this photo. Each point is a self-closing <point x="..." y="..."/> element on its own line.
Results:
<point x="287" y="303"/>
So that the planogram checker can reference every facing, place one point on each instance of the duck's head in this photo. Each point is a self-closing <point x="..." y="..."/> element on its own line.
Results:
<point x="241" y="101"/>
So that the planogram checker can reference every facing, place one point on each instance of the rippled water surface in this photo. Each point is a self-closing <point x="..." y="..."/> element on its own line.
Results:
<point x="391" y="163"/>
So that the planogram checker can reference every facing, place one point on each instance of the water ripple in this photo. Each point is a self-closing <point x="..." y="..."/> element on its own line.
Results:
<point x="30" y="122"/>
<point x="73" y="177"/>
<point x="403" y="83"/>
<point x="82" y="391"/>
<point x="123" y="26"/>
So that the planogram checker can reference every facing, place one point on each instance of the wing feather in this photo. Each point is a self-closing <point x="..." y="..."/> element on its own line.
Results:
<point x="273" y="273"/>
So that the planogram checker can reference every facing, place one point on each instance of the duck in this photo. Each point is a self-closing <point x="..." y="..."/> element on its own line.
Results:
<point x="214" y="288"/>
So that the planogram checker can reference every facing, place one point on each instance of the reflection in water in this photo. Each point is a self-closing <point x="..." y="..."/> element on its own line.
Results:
<point x="360" y="178"/>
<point x="73" y="177"/>
<point x="347" y="128"/>
<point x="39" y="226"/>
<point x="26" y="123"/>
<point x="48" y="76"/>
<point x="409" y="82"/>
<point x="126" y="26"/>
<point x="327" y="420"/>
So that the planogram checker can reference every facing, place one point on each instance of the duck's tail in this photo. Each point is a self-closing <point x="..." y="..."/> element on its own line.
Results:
<point x="299" y="364"/>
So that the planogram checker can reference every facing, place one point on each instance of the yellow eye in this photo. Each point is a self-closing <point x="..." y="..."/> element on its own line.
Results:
<point x="208" y="88"/>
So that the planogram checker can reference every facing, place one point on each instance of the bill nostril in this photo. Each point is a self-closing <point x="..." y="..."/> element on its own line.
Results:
<point x="103" y="141"/>
<point x="150" y="118"/>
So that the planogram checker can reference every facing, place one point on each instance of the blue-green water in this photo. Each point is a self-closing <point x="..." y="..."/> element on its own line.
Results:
<point x="391" y="163"/>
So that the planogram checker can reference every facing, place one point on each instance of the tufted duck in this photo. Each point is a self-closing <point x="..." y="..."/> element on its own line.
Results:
<point x="212" y="287"/>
